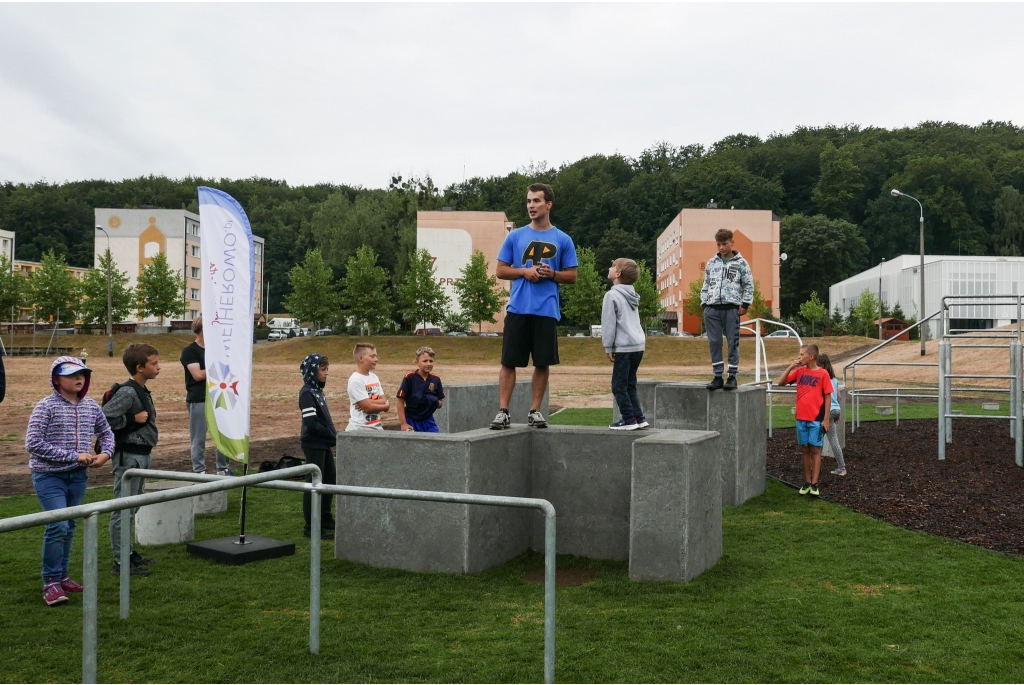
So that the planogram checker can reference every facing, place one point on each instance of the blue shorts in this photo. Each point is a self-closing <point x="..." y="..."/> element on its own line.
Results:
<point x="427" y="425"/>
<point x="809" y="433"/>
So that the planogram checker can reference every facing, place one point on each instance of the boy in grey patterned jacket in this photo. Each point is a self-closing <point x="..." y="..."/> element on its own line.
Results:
<point x="727" y="292"/>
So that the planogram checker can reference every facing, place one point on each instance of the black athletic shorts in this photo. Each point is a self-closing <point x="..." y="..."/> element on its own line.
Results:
<point x="529" y="335"/>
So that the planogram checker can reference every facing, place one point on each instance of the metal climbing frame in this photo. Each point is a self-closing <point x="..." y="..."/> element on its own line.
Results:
<point x="953" y="308"/>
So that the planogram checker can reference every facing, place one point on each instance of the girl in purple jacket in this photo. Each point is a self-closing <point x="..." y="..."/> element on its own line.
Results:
<point x="59" y="442"/>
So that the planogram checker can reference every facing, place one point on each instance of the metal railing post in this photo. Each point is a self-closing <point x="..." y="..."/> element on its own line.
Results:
<point x="1015" y="411"/>
<point x="314" y="571"/>
<point x="757" y="351"/>
<point x="549" y="595"/>
<point x="771" y="411"/>
<point x="90" y="597"/>
<point x="943" y="409"/>
<point x="126" y="555"/>
<point x="897" y="407"/>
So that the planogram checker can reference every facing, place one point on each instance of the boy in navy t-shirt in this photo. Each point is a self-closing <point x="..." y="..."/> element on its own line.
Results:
<point x="420" y="395"/>
<point x="536" y="258"/>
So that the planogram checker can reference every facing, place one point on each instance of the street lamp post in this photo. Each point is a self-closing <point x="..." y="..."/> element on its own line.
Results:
<point x="880" y="307"/>
<point x="924" y="329"/>
<point x="110" y="322"/>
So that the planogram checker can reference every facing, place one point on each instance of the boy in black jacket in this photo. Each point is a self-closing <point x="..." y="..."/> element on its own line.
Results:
<point x="318" y="438"/>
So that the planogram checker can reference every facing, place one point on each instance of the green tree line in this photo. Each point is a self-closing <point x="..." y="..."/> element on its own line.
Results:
<point x="829" y="184"/>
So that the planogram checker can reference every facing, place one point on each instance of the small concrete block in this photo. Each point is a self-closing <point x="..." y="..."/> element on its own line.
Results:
<point x="470" y="406"/>
<point x="645" y="391"/>
<point x="682" y="406"/>
<point x="990" y="406"/>
<point x="211" y="503"/>
<point x="676" y="518"/>
<point x="166" y="523"/>
<point x="884" y="409"/>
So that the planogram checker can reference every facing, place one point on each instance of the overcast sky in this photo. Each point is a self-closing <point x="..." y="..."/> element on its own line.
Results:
<point x="355" y="93"/>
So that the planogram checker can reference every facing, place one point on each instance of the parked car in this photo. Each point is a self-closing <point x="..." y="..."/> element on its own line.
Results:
<point x="429" y="331"/>
<point x="655" y="334"/>
<point x="324" y="331"/>
<point x="277" y="334"/>
<point x="305" y="332"/>
<point x="781" y="334"/>
<point x="579" y="335"/>
<point x="489" y="334"/>
<point x="682" y="334"/>
<point x="458" y="334"/>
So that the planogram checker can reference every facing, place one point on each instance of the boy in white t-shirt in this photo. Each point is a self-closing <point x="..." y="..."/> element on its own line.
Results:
<point x="365" y="393"/>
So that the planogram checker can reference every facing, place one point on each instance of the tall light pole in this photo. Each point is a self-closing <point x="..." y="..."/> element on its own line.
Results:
<point x="924" y="329"/>
<point x="880" y="308"/>
<point x="110" y="322"/>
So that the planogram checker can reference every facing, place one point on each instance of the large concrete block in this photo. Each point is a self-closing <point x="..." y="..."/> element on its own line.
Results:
<point x="645" y="392"/>
<point x="469" y="406"/>
<point x="675" y="529"/>
<point x="166" y="523"/>
<point x="433" y="536"/>
<point x="739" y="417"/>
<point x="585" y="473"/>
<point x="211" y="503"/>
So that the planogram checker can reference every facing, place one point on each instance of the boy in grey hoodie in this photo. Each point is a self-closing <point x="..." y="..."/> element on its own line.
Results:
<point x="624" y="341"/>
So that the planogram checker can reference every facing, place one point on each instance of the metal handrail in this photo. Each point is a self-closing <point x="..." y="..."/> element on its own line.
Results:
<point x="212" y="483"/>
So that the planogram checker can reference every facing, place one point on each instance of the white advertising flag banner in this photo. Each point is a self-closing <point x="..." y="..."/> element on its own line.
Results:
<point x="228" y="275"/>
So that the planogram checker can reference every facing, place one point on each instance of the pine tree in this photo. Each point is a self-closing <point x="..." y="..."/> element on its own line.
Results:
<point x="480" y="296"/>
<point x="421" y="297"/>
<point x="124" y="302"/>
<point x="161" y="289"/>
<point x="313" y="297"/>
<point x="365" y="295"/>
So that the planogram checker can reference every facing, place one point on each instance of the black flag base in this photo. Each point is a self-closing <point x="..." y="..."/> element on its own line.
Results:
<point x="233" y="553"/>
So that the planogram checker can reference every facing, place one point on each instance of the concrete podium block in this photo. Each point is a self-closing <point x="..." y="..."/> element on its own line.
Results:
<point x="433" y="536"/>
<point x="585" y="473"/>
<point x="470" y="406"/>
<point x="211" y="503"/>
<point x="682" y="406"/>
<point x="675" y="531"/>
<point x="166" y="523"/>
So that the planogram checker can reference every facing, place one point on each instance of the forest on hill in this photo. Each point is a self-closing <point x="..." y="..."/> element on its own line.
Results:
<point x="830" y="185"/>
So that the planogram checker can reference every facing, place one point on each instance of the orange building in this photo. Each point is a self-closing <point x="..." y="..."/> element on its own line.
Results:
<point x="689" y="241"/>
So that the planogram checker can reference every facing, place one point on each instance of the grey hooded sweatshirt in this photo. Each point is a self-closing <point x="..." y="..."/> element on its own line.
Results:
<point x="620" y="321"/>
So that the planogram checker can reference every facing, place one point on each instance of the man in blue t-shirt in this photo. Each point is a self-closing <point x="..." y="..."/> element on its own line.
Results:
<point x="536" y="258"/>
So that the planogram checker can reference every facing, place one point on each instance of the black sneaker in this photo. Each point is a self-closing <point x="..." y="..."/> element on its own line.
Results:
<point x="716" y="384"/>
<point x="731" y="383"/>
<point x="137" y="559"/>
<point x="501" y="421"/>
<point x="133" y="570"/>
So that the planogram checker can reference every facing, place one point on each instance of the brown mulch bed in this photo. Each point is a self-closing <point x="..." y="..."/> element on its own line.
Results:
<point x="976" y="495"/>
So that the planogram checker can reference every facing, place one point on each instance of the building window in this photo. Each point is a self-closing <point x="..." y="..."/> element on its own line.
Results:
<point x="193" y="229"/>
<point x="195" y="293"/>
<point x="195" y="250"/>
<point x="193" y="314"/>
<point x="259" y="248"/>
<point x="195" y="272"/>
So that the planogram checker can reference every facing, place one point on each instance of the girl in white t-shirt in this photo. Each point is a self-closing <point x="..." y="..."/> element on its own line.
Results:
<point x="365" y="393"/>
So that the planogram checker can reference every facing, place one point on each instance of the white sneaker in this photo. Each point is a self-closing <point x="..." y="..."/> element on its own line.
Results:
<point x="536" y="420"/>
<point x="501" y="421"/>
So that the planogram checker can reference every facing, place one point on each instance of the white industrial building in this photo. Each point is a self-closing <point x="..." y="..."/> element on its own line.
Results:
<point x="897" y="281"/>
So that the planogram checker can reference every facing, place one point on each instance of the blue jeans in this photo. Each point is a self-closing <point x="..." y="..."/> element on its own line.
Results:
<point x="58" y="491"/>
<point x="624" y="383"/>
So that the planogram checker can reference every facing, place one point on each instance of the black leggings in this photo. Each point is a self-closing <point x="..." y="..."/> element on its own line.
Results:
<point x="325" y="460"/>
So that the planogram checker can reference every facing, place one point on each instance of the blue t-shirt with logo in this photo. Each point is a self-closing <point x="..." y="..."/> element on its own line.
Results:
<point x="525" y="247"/>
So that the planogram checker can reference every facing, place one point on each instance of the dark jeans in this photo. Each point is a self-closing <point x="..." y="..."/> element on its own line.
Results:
<point x="58" y="491"/>
<point x="325" y="460"/>
<point x="624" y="383"/>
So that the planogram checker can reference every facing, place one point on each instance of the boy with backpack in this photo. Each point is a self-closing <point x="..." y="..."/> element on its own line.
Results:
<point x="131" y="413"/>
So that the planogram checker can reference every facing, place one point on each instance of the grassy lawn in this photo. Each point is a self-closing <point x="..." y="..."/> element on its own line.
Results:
<point x="784" y="418"/>
<point x="807" y="591"/>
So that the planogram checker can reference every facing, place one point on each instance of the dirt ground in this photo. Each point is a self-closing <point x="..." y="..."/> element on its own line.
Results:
<point x="894" y="474"/>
